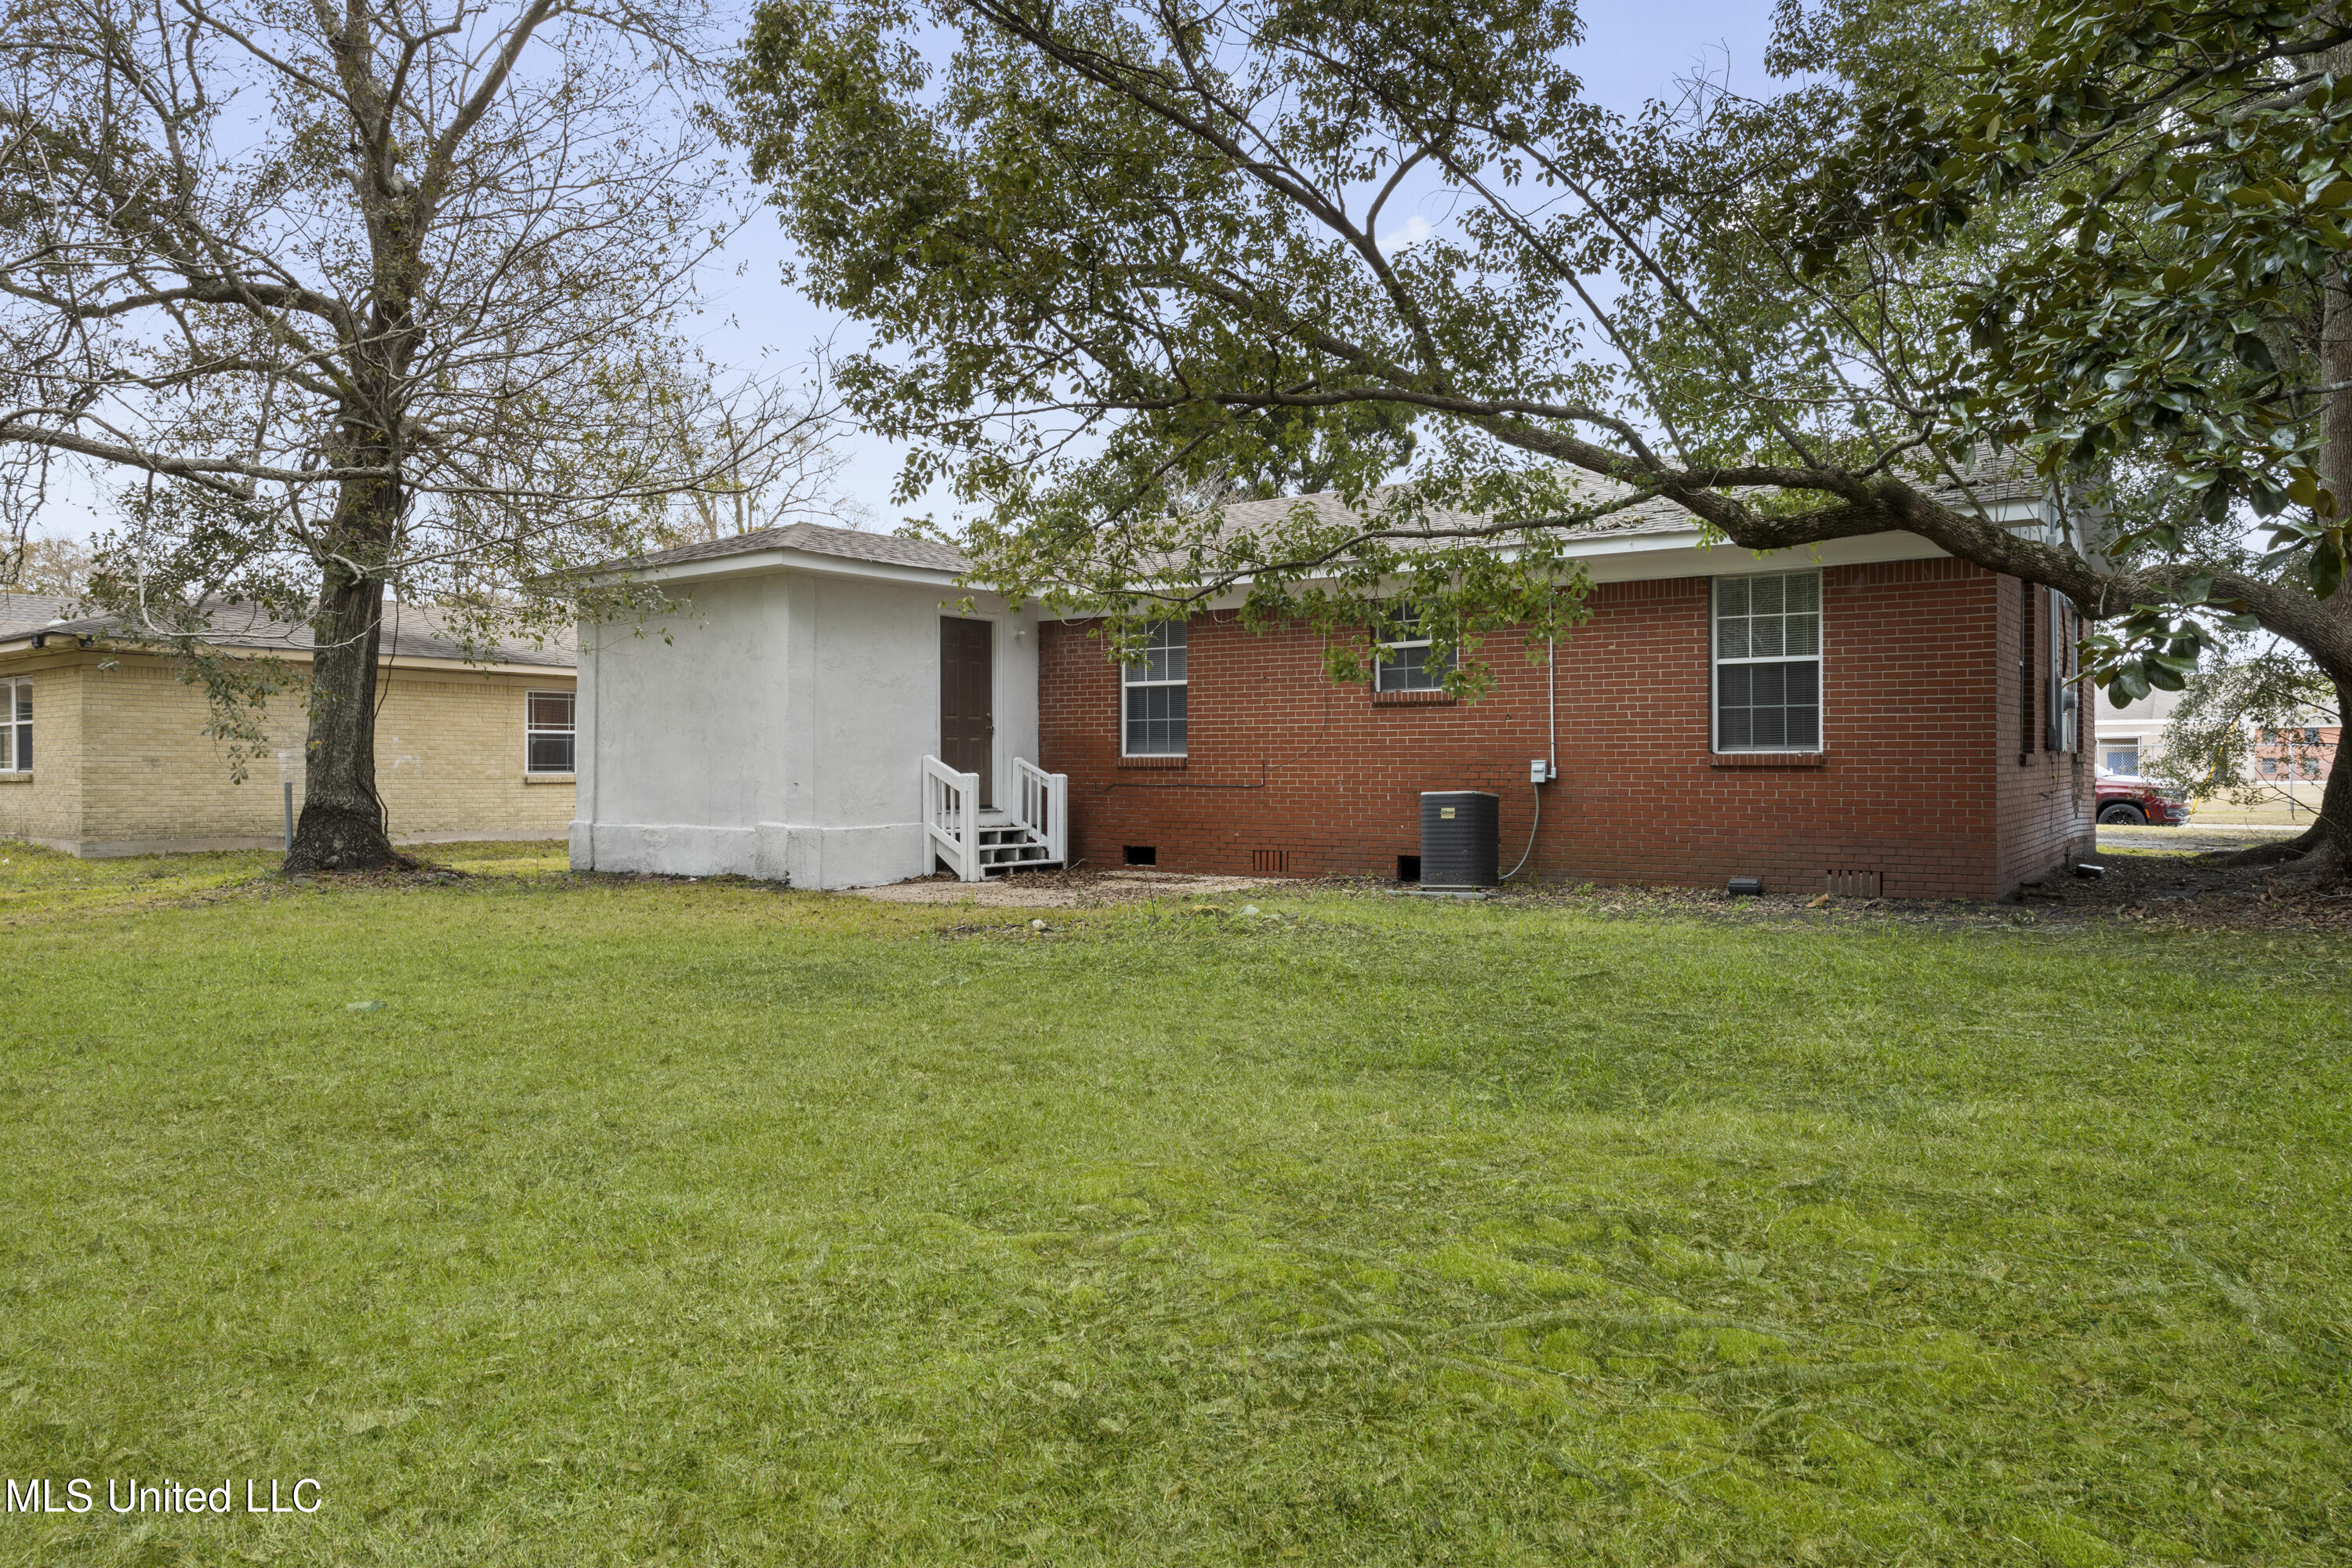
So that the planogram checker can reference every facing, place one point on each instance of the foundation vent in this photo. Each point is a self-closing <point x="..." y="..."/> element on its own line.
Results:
<point x="1851" y="884"/>
<point x="1270" y="862"/>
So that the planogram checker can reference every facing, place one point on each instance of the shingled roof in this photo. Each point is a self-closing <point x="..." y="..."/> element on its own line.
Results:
<point x="1657" y="515"/>
<point x="894" y="550"/>
<point x="814" y="539"/>
<point x="1993" y="483"/>
<point x="22" y="613"/>
<point x="409" y="632"/>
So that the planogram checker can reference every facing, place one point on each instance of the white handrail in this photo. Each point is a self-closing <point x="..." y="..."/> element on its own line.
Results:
<point x="952" y="817"/>
<point x="1031" y="796"/>
<point x="1041" y="804"/>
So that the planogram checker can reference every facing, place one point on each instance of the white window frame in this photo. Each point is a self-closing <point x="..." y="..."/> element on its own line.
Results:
<point x="531" y="729"/>
<point x="1137" y="677"/>
<point x="1716" y="662"/>
<point x="16" y="718"/>
<point x="1406" y="619"/>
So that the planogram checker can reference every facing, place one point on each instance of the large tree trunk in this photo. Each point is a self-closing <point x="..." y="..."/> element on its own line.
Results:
<point x="2333" y="831"/>
<point x="2325" y="835"/>
<point x="342" y="825"/>
<point x="2334" y="824"/>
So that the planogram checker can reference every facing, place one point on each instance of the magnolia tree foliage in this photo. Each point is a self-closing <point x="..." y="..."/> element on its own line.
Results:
<point x="1112" y="251"/>
<point x="2179" y="181"/>
<point x="384" y="297"/>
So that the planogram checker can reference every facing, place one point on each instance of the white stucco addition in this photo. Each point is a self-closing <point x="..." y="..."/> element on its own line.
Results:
<point x="773" y="724"/>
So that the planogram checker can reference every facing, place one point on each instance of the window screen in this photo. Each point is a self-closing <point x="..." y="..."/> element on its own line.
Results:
<point x="548" y="731"/>
<point x="1404" y="663"/>
<point x="1153" y="694"/>
<point x="15" y="726"/>
<point x="1768" y="662"/>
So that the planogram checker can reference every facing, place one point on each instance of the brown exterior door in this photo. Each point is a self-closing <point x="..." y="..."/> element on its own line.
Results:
<point x="967" y="706"/>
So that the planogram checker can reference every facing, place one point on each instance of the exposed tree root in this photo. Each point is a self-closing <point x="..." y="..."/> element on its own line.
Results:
<point x="333" y="839"/>
<point x="2310" y="841"/>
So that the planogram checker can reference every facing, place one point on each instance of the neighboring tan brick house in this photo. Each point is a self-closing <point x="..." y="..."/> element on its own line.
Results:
<point x="1919" y="740"/>
<point x="119" y="762"/>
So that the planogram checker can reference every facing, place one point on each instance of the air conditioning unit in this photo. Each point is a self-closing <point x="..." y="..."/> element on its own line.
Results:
<point x="1460" y="839"/>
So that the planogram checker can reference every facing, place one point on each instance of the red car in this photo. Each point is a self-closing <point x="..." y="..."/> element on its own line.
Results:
<point x="2128" y="800"/>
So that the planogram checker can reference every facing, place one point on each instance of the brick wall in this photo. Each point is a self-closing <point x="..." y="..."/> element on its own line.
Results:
<point x="2300" y="760"/>
<point x="2049" y="803"/>
<point x="46" y="806"/>
<point x="122" y="759"/>
<point x="1909" y="790"/>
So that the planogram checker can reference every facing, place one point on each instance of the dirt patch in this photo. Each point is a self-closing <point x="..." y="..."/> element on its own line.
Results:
<point x="2201" y="889"/>
<point x="1057" y="889"/>
<point x="2142" y="887"/>
<point x="2139" y="887"/>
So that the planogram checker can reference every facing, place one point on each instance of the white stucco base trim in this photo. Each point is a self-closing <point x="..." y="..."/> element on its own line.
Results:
<point x="666" y="849"/>
<point x="793" y="853"/>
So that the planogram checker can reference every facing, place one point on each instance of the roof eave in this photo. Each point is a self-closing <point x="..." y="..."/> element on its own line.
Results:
<point x="762" y="563"/>
<point x="88" y="642"/>
<point x="1720" y="556"/>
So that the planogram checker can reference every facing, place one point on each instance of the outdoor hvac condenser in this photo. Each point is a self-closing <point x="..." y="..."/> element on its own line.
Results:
<point x="1458" y="838"/>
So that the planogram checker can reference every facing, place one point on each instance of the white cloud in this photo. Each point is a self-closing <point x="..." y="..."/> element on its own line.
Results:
<point x="1416" y="229"/>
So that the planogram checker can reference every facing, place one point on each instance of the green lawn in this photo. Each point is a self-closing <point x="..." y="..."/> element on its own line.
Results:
<point x="644" y="1223"/>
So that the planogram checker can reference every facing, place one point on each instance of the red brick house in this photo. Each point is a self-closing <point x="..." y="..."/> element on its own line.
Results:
<point x="1871" y="717"/>
<point x="2296" y="752"/>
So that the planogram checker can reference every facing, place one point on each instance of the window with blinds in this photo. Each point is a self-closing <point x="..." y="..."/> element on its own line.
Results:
<point x="1403" y="662"/>
<point x="15" y="726"/>
<point x="548" y="731"/>
<point x="1768" y="662"/>
<point x="1154" y="690"/>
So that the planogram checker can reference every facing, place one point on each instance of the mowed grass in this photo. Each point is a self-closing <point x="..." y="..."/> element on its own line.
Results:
<point x="663" y="1222"/>
<point x="35" y="882"/>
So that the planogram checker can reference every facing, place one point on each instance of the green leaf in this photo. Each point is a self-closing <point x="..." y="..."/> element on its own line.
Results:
<point x="2326" y="569"/>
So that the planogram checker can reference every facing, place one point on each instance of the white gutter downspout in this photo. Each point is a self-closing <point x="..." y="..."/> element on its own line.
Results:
<point x="1551" y="706"/>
